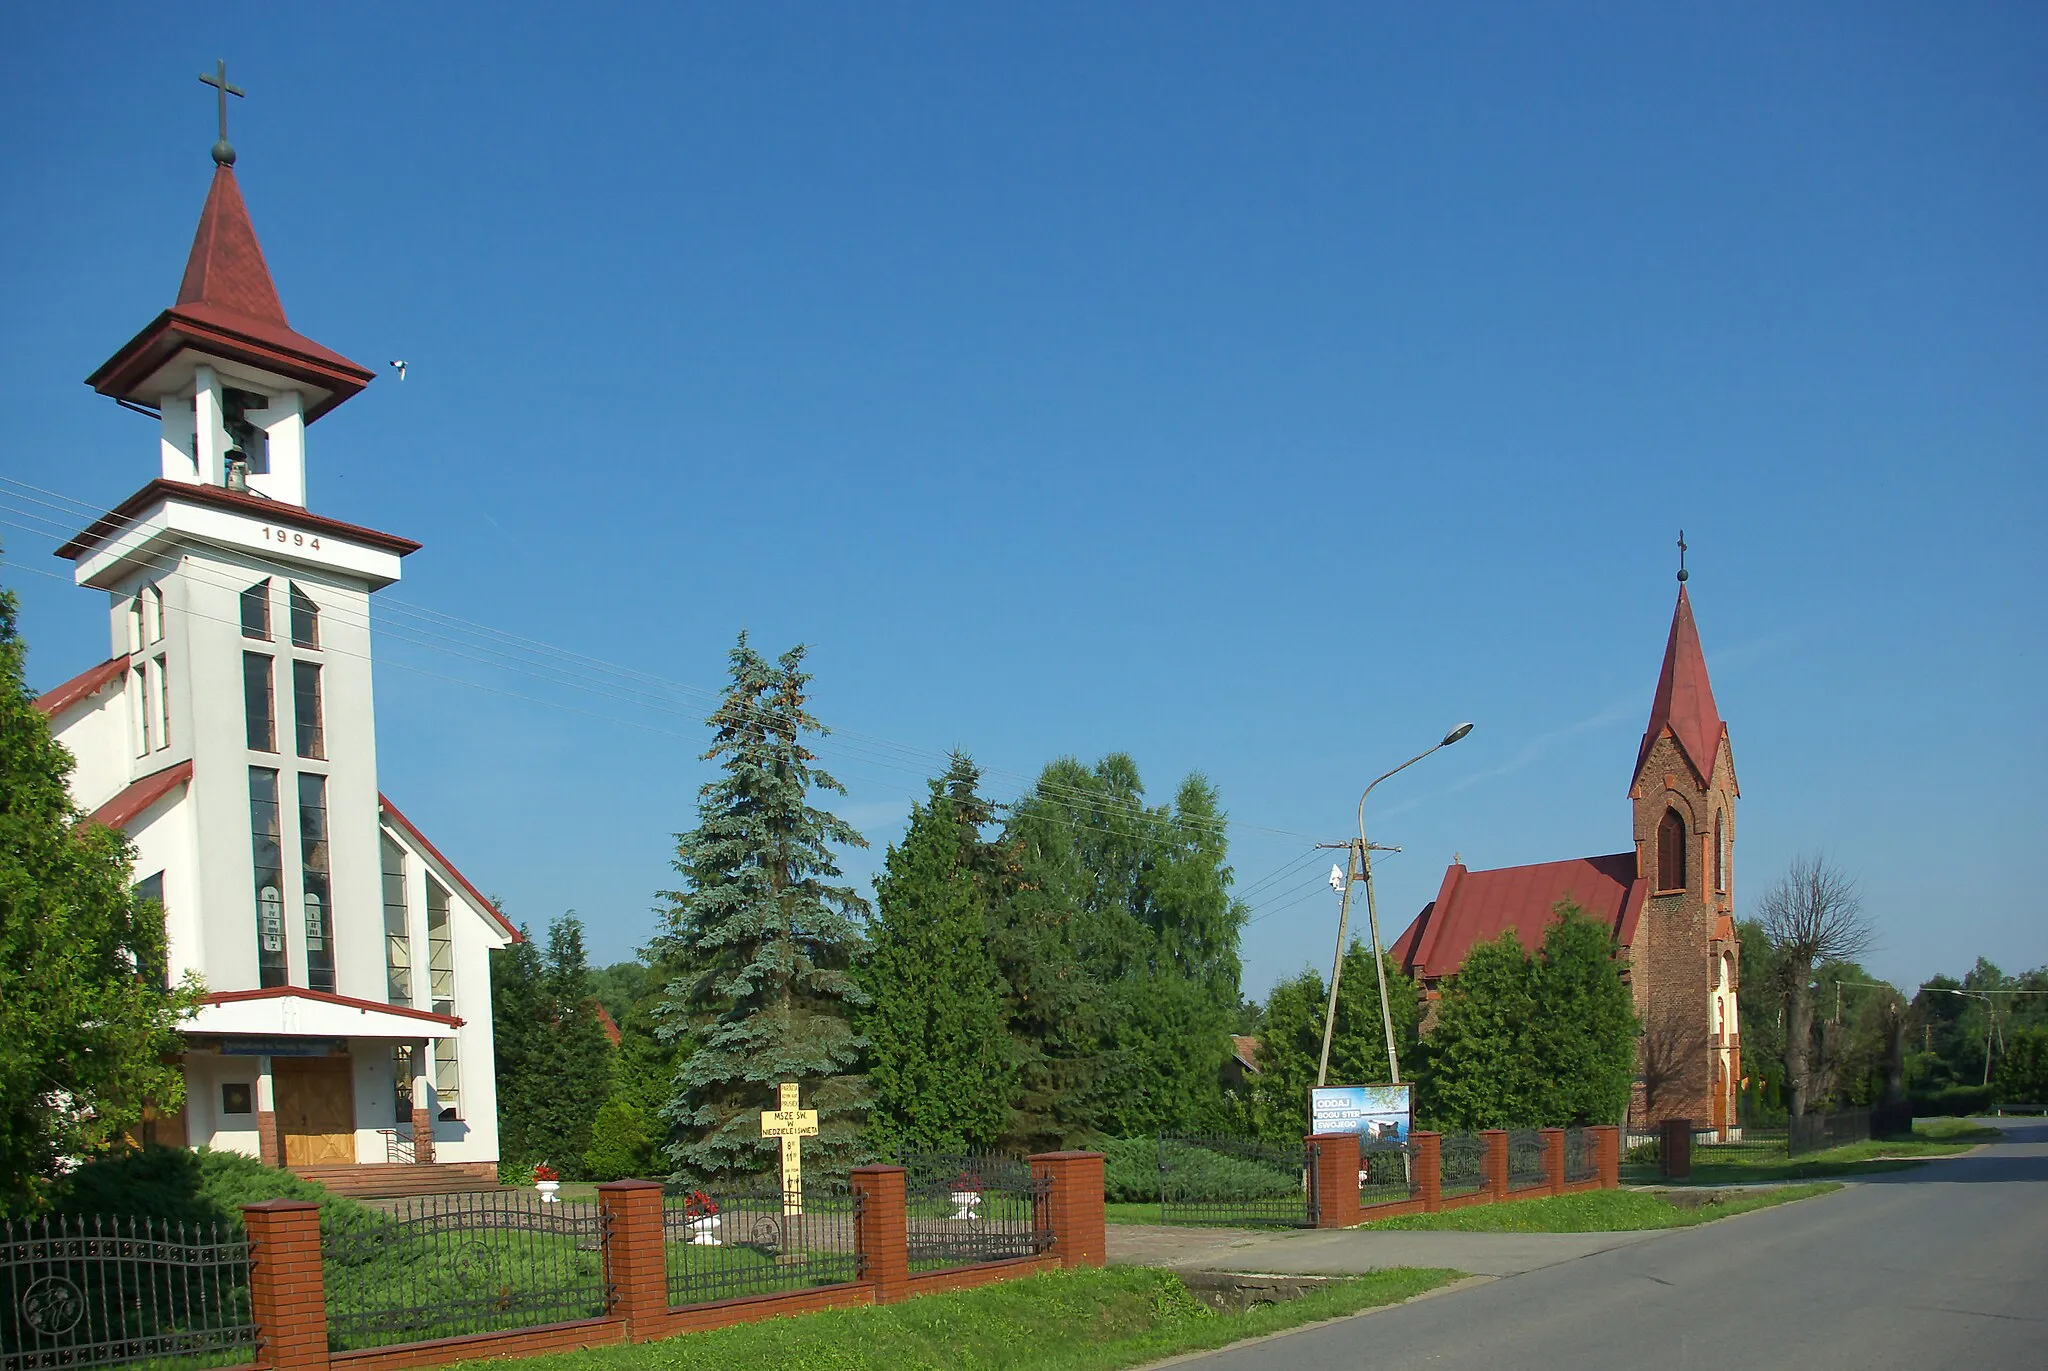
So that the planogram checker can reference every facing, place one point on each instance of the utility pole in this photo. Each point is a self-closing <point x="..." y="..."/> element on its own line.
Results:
<point x="1337" y="966"/>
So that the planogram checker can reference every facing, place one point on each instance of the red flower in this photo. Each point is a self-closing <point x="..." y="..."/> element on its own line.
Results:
<point x="967" y="1183"/>
<point x="543" y="1172"/>
<point x="698" y="1205"/>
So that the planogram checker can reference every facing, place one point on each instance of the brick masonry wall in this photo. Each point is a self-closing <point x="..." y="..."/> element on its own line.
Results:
<point x="288" y="1295"/>
<point x="1671" y="964"/>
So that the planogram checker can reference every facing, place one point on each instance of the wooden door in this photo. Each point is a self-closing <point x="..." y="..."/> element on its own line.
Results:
<point x="316" y="1109"/>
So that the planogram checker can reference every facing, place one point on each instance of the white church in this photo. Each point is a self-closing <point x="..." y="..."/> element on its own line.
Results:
<point x="346" y="1030"/>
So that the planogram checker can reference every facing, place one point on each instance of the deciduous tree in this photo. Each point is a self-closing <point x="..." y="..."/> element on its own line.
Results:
<point x="1812" y="915"/>
<point x="87" y="1018"/>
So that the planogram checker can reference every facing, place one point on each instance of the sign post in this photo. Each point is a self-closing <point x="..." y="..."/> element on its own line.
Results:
<point x="791" y="1125"/>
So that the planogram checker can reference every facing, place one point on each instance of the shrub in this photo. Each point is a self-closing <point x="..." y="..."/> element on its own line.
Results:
<point x="189" y="1186"/>
<point x="1961" y="1101"/>
<point x="621" y="1144"/>
<point x="1645" y="1153"/>
<point x="1131" y="1172"/>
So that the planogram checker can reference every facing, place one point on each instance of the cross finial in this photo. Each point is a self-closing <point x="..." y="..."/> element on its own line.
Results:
<point x="1682" y="572"/>
<point x="223" y="151"/>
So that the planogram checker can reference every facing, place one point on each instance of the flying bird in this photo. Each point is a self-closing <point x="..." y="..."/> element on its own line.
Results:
<point x="401" y="368"/>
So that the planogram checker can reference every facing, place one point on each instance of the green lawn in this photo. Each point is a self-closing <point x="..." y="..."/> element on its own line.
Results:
<point x="1761" y="1161"/>
<point x="1090" y="1320"/>
<point x="1145" y="1211"/>
<point x="1598" y="1211"/>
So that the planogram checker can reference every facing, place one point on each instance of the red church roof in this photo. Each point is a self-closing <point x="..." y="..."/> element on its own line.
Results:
<point x="228" y="306"/>
<point x="1685" y="698"/>
<point x="83" y="686"/>
<point x="1478" y="906"/>
<point x="127" y="807"/>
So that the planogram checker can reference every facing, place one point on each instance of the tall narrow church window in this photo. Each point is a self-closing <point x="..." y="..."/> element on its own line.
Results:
<point x="1720" y="854"/>
<point x="163" y="702"/>
<point x="397" y="935"/>
<point x="143" y="710"/>
<point x="153" y="614"/>
<point x="268" y="853"/>
<point x="313" y="871"/>
<point x="441" y="986"/>
<point x="135" y="639"/>
<point x="306" y="709"/>
<point x="259" y="708"/>
<point x="1671" y="852"/>
<point x="305" y="619"/>
<point x="256" y="611"/>
<point x="151" y="889"/>
<point x="401" y="1077"/>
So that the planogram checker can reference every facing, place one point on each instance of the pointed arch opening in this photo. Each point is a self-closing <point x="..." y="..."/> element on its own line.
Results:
<point x="1720" y="853"/>
<point x="1671" y="851"/>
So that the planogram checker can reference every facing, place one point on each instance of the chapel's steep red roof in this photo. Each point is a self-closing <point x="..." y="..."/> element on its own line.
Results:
<point x="1685" y="697"/>
<point x="228" y="305"/>
<point x="1478" y="906"/>
<point x="83" y="686"/>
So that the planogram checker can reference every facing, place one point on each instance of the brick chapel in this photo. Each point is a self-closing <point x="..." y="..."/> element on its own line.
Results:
<point x="1669" y="900"/>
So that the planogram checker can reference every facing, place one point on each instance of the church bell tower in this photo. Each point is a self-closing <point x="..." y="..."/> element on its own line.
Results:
<point x="1686" y="962"/>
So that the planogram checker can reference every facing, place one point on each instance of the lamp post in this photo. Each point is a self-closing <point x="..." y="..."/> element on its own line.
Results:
<point x="1362" y="851"/>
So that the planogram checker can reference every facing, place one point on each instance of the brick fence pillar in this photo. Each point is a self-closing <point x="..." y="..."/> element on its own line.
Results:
<point x="1426" y="1155"/>
<point x="1334" y="1160"/>
<point x="287" y="1292"/>
<point x="1553" y="1160"/>
<point x="1607" y="1154"/>
<point x="1674" y="1148"/>
<point x="636" y="1256"/>
<point x="1493" y="1163"/>
<point x="1073" y="1206"/>
<point x="881" y="1231"/>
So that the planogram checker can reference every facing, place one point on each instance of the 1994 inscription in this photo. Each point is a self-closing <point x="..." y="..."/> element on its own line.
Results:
<point x="292" y="538"/>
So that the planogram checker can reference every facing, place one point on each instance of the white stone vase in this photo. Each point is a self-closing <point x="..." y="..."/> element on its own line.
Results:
<point x="547" y="1191"/>
<point x="704" y="1231"/>
<point x="965" y="1203"/>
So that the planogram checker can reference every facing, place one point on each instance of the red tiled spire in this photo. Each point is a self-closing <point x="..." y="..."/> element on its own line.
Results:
<point x="1685" y="698"/>
<point x="226" y="269"/>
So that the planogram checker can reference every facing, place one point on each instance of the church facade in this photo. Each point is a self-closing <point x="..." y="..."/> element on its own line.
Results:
<point x="1668" y="899"/>
<point x="231" y="735"/>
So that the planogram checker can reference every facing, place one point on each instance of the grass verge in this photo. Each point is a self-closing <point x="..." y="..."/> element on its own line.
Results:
<point x="1954" y="1130"/>
<point x="1144" y="1211"/>
<point x="1088" y="1320"/>
<point x="1599" y="1211"/>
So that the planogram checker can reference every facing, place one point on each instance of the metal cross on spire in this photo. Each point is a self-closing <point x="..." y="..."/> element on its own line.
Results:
<point x="1682" y="572"/>
<point x="223" y="151"/>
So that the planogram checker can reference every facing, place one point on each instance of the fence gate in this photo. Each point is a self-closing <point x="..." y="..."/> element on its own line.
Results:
<point x="1235" y="1182"/>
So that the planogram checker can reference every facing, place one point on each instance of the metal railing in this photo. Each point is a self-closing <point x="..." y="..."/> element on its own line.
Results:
<point x="1526" y="1167"/>
<point x="1818" y="1132"/>
<point x="964" y="1208"/>
<point x="750" y="1237"/>
<point x="1386" y="1173"/>
<point x="398" y="1148"/>
<point x="100" y="1291"/>
<point x="439" y="1266"/>
<point x="1580" y="1161"/>
<point x="1464" y="1164"/>
<point x="1234" y="1181"/>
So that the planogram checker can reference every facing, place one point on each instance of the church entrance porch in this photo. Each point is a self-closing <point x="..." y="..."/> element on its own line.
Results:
<point x="316" y="1110"/>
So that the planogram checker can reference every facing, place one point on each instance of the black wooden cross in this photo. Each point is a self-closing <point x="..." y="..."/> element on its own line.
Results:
<point x="223" y="151"/>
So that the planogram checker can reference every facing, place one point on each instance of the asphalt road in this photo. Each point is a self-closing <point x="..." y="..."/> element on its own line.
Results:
<point x="1944" y="1265"/>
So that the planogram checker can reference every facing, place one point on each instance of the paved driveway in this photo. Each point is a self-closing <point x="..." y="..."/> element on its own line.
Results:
<point x="1945" y="1265"/>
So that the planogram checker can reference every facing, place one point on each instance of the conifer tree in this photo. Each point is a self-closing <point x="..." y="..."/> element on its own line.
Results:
<point x="1482" y="1070"/>
<point x="763" y="936"/>
<point x="938" y="1067"/>
<point x="87" y="1021"/>
<point x="554" y="1060"/>
<point x="1586" y="1038"/>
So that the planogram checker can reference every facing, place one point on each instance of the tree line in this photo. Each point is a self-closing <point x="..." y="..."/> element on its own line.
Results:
<point x="1051" y="972"/>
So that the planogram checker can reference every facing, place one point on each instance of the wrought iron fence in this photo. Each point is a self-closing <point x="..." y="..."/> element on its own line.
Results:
<point x="750" y="1237"/>
<point x="99" y="1291"/>
<point x="1525" y="1159"/>
<point x="1234" y="1181"/>
<point x="1818" y="1132"/>
<point x="1386" y="1173"/>
<point x="964" y="1208"/>
<point x="1580" y="1161"/>
<point x="439" y="1266"/>
<point x="1464" y="1164"/>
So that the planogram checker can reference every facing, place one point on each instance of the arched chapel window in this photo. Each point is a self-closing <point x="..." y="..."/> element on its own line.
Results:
<point x="256" y="611"/>
<point x="1671" y="852"/>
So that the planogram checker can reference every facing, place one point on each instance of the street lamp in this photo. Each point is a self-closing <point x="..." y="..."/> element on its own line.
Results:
<point x="1363" y="849"/>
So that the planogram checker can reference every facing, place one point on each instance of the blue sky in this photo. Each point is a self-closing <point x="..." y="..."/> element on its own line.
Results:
<point x="1258" y="390"/>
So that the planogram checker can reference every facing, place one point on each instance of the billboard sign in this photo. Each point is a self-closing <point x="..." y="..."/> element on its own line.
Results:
<point x="1377" y="1113"/>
